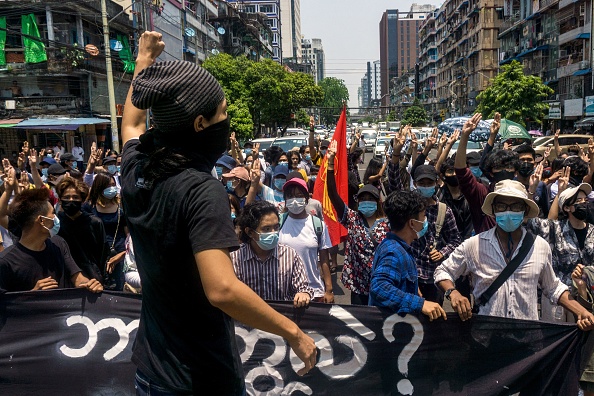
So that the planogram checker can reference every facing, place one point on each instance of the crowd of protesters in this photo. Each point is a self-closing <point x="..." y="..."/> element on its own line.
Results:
<point x="501" y="232"/>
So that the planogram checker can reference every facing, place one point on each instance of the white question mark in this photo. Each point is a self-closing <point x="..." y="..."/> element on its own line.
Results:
<point x="404" y="386"/>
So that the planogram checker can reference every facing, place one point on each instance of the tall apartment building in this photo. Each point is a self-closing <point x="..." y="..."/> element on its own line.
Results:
<point x="466" y="47"/>
<point x="272" y="10"/>
<point x="364" y="94"/>
<point x="398" y="44"/>
<point x="312" y="52"/>
<point x="552" y="39"/>
<point x="375" y="80"/>
<point x="291" y="29"/>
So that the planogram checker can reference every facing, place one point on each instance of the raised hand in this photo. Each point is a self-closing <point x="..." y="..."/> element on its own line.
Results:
<point x="399" y="141"/>
<point x="312" y="122"/>
<point x="563" y="180"/>
<point x="331" y="153"/>
<point x="57" y="157"/>
<point x="24" y="181"/>
<point x="454" y="137"/>
<point x="21" y="160"/>
<point x="150" y="46"/>
<point x="547" y="152"/>
<point x="25" y="148"/>
<point x="471" y="124"/>
<point x="256" y="150"/>
<point x="10" y="181"/>
<point x="496" y="124"/>
<point x="443" y="140"/>
<point x="431" y="139"/>
<point x="557" y="133"/>
<point x="535" y="179"/>
<point x="33" y="159"/>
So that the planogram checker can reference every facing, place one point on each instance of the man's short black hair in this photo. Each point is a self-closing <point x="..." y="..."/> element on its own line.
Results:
<point x="579" y="168"/>
<point x="557" y="164"/>
<point x="525" y="149"/>
<point x="502" y="158"/>
<point x="448" y="164"/>
<point x="401" y="206"/>
<point x="28" y="205"/>
<point x="251" y="215"/>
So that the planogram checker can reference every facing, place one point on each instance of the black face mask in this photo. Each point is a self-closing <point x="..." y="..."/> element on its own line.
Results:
<point x="503" y="175"/>
<point x="71" y="208"/>
<point x="212" y="141"/>
<point x="526" y="169"/>
<point x="581" y="211"/>
<point x="451" y="180"/>
<point x="574" y="181"/>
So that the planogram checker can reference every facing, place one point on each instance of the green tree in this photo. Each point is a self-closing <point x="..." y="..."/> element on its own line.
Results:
<point x="335" y="93"/>
<point x="241" y="120"/>
<point x="391" y="116"/>
<point x="515" y="96"/>
<point x="230" y="73"/>
<point x="415" y="115"/>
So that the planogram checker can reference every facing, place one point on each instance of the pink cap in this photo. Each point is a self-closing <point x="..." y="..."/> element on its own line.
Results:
<point x="295" y="181"/>
<point x="239" y="172"/>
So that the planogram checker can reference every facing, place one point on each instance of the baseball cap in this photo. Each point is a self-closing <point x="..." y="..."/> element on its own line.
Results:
<point x="280" y="170"/>
<point x="108" y="160"/>
<point x="473" y="158"/>
<point x="369" y="189"/>
<point x="48" y="161"/>
<point x="296" y="181"/>
<point x="324" y="143"/>
<point x="227" y="161"/>
<point x="571" y="192"/>
<point x="56" y="169"/>
<point x="425" y="172"/>
<point x="67" y="157"/>
<point x="239" y="172"/>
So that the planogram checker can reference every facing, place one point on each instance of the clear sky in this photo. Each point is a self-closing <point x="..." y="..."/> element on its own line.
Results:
<point x="349" y="30"/>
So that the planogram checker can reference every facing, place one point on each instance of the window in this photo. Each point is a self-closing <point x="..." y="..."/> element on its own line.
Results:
<point x="267" y="8"/>
<point x="249" y="8"/>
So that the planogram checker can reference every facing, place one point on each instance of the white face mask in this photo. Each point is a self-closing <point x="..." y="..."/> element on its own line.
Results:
<point x="295" y="205"/>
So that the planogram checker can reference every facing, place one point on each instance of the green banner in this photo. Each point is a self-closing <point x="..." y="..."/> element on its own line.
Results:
<point x="512" y="130"/>
<point x="34" y="49"/>
<point x="2" y="41"/>
<point x="126" y="54"/>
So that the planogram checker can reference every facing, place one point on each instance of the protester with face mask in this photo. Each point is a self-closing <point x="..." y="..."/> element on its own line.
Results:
<point x="273" y="194"/>
<point x="451" y="195"/>
<point x="571" y="239"/>
<point x="274" y="271"/>
<point x="354" y="158"/>
<point x="41" y="260"/>
<point x="83" y="232"/>
<point x="484" y="256"/>
<point x="367" y="227"/>
<point x="499" y="165"/>
<point x="104" y="203"/>
<point x="183" y="234"/>
<point x="237" y="182"/>
<point x="225" y="163"/>
<point x="298" y="230"/>
<point x="108" y="165"/>
<point x="394" y="273"/>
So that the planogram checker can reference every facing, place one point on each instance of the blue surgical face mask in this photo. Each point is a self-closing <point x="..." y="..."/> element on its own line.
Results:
<point x="55" y="229"/>
<point x="323" y="151"/>
<point x="247" y="151"/>
<point x="233" y="216"/>
<point x="279" y="183"/>
<point x="119" y="167"/>
<point x="313" y="178"/>
<point x="50" y="155"/>
<point x="509" y="221"/>
<point x="285" y="163"/>
<point x="44" y="172"/>
<point x="110" y="192"/>
<point x="476" y="170"/>
<point x="308" y="157"/>
<point x="74" y="165"/>
<point x="421" y="233"/>
<point x="367" y="208"/>
<point x="267" y="240"/>
<point x="230" y="187"/>
<point x="426" y="192"/>
<point x="219" y="170"/>
<point x="112" y="169"/>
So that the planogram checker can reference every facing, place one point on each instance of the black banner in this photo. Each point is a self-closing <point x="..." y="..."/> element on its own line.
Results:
<point x="71" y="342"/>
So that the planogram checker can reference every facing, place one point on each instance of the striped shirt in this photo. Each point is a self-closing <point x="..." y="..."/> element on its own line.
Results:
<point x="482" y="259"/>
<point x="279" y="277"/>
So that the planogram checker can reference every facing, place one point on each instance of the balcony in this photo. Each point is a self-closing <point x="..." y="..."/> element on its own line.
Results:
<point x="547" y="3"/>
<point x="565" y="3"/>
<point x="582" y="32"/>
<point x="212" y="8"/>
<point x="27" y="105"/>
<point x="564" y="70"/>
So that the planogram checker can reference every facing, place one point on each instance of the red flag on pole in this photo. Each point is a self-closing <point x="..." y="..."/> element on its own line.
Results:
<point x="337" y="232"/>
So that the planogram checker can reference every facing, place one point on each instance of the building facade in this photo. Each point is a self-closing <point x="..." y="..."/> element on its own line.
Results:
<point x="291" y="30"/>
<point x="313" y="54"/>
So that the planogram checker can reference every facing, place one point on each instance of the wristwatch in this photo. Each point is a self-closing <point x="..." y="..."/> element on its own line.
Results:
<point x="448" y="292"/>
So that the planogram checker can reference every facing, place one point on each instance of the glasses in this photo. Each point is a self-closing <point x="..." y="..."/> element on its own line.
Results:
<point x="515" y="207"/>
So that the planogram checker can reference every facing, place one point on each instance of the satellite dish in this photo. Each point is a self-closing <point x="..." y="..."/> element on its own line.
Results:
<point x="189" y="32"/>
<point x="92" y="50"/>
<point x="214" y="51"/>
<point x="221" y="30"/>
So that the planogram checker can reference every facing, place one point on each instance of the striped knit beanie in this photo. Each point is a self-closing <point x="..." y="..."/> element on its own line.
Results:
<point x="176" y="92"/>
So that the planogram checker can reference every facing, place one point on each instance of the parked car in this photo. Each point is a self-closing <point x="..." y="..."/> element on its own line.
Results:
<point x="265" y="143"/>
<point x="295" y="132"/>
<point x="540" y="144"/>
<point x="288" y="143"/>
<point x="369" y="135"/>
<point x="380" y="147"/>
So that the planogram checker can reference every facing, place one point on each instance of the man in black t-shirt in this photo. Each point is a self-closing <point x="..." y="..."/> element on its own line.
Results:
<point x="183" y="233"/>
<point x="40" y="260"/>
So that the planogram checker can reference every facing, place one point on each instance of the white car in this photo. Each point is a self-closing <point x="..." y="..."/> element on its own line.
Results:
<point x="471" y="147"/>
<point x="295" y="132"/>
<point x="379" y="152"/>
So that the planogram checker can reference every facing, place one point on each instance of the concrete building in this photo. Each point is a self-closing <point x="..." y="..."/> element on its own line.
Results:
<point x="313" y="54"/>
<point x="467" y="52"/>
<point x="364" y="101"/>
<point x="273" y="11"/>
<point x="291" y="29"/>
<point x="428" y="56"/>
<point x="399" y="44"/>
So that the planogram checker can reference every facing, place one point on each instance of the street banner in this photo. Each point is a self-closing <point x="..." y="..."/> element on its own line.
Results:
<point x="512" y="130"/>
<point x="341" y="174"/>
<point x="72" y="342"/>
<point x="34" y="47"/>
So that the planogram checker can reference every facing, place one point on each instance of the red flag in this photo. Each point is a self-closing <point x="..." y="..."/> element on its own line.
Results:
<point x="337" y="232"/>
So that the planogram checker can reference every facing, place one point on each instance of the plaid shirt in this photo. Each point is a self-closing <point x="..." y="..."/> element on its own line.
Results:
<point x="448" y="241"/>
<point x="564" y="245"/>
<point x="394" y="277"/>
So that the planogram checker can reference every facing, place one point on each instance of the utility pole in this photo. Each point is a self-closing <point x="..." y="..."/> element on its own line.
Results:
<point x="115" y="138"/>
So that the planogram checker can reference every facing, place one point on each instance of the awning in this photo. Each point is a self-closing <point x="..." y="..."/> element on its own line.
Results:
<point x="9" y="121"/>
<point x="542" y="47"/>
<point x="583" y="36"/>
<point x="66" y="124"/>
<point x="526" y="52"/>
<point x="588" y="121"/>
<point x="582" y="72"/>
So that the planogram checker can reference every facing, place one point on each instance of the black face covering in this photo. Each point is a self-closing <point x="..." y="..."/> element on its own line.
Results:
<point x="574" y="181"/>
<point x="451" y="180"/>
<point x="211" y="142"/>
<point x="526" y="169"/>
<point x="581" y="211"/>
<point x="503" y="175"/>
<point x="71" y="208"/>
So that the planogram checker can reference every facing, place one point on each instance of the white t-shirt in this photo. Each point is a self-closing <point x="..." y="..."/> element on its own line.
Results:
<point x="60" y="150"/>
<point x="301" y="236"/>
<point x="78" y="153"/>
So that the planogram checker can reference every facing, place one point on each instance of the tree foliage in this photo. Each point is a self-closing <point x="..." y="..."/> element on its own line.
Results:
<point x="335" y="93"/>
<point x="515" y="96"/>
<point x="241" y="120"/>
<point x="270" y="92"/>
<point x="415" y="115"/>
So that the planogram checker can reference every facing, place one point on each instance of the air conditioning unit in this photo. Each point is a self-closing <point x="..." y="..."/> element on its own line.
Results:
<point x="562" y="53"/>
<point x="584" y="65"/>
<point x="236" y="42"/>
<point x="582" y="10"/>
